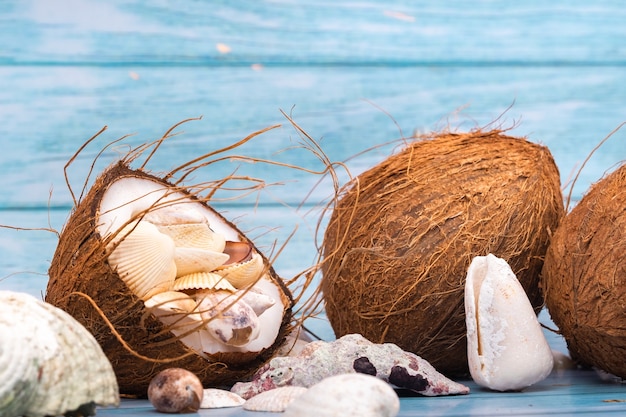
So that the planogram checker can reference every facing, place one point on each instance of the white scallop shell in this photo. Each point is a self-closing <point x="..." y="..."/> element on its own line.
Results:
<point x="219" y="398"/>
<point x="275" y="400"/>
<point x="230" y="321"/>
<point x="245" y="273"/>
<point x="506" y="348"/>
<point x="49" y="363"/>
<point x="195" y="235"/>
<point x="346" y="395"/>
<point x="201" y="281"/>
<point x="143" y="259"/>
<point x="190" y="260"/>
<point x="174" y="212"/>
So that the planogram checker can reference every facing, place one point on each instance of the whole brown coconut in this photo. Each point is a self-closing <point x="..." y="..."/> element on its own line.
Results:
<point x="138" y="343"/>
<point x="584" y="276"/>
<point x="402" y="235"/>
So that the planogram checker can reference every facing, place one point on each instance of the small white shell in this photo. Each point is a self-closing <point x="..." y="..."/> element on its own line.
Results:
<point x="202" y="281"/>
<point x="219" y="398"/>
<point x="275" y="400"/>
<point x="195" y="235"/>
<point x="174" y="213"/>
<point x="346" y="395"/>
<point x="229" y="321"/>
<point x="143" y="259"/>
<point x="190" y="260"/>
<point x="245" y="273"/>
<point x="506" y="348"/>
<point x="49" y="363"/>
<point x="257" y="300"/>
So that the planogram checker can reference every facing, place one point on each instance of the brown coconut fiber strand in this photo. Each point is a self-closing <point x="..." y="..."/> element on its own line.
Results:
<point x="135" y="341"/>
<point x="402" y="235"/>
<point x="584" y="276"/>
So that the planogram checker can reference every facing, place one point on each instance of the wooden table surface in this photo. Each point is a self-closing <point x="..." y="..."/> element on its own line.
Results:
<point x="354" y="75"/>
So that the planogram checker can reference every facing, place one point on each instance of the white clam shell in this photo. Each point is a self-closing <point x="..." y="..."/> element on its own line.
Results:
<point x="195" y="235"/>
<point x="143" y="258"/>
<point x="275" y="400"/>
<point x="245" y="273"/>
<point x="49" y="363"/>
<point x="190" y="260"/>
<point x="346" y="395"/>
<point x="506" y="347"/>
<point x="228" y="320"/>
<point x="202" y="280"/>
<point x="219" y="398"/>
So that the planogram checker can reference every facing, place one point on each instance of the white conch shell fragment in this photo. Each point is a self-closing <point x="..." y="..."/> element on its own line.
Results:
<point x="346" y="395"/>
<point x="506" y="348"/>
<point x="257" y="300"/>
<point x="143" y="258"/>
<point x="49" y="363"/>
<point x="228" y="320"/>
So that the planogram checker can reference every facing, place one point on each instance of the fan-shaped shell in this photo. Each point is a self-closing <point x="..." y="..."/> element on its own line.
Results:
<point x="143" y="258"/>
<point x="219" y="398"/>
<point x="506" y="348"/>
<point x="275" y="400"/>
<point x="346" y="395"/>
<point x="201" y="281"/>
<point x="244" y="273"/>
<point x="190" y="260"/>
<point x="49" y="363"/>
<point x="195" y="235"/>
<point x="171" y="213"/>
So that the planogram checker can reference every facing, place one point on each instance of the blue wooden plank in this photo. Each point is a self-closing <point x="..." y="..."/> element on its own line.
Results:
<point x="310" y="32"/>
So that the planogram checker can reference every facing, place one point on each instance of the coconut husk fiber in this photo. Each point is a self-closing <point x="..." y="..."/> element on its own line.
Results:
<point x="402" y="235"/>
<point x="584" y="276"/>
<point x="138" y="345"/>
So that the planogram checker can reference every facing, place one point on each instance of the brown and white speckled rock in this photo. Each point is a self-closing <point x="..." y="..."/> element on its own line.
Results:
<point x="350" y="354"/>
<point x="175" y="390"/>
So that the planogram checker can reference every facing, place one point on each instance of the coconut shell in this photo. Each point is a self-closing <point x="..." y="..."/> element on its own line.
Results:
<point x="584" y="276"/>
<point x="402" y="235"/>
<point x="79" y="271"/>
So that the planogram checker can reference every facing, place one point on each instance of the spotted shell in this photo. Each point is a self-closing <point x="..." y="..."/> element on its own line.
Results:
<point x="49" y="363"/>
<point x="245" y="273"/>
<point x="275" y="400"/>
<point x="143" y="258"/>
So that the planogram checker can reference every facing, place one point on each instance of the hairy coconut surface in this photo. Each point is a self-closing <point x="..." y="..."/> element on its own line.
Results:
<point x="402" y="235"/>
<point x="584" y="276"/>
<point x="83" y="283"/>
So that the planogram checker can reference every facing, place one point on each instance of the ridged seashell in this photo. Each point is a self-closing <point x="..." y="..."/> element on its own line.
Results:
<point x="228" y="320"/>
<point x="244" y="273"/>
<point x="202" y="281"/>
<point x="506" y="347"/>
<point x="219" y="398"/>
<point x="49" y="363"/>
<point x="143" y="259"/>
<point x="195" y="235"/>
<point x="190" y="260"/>
<point x="346" y="395"/>
<point x="275" y="400"/>
<point x="172" y="213"/>
<point x="257" y="300"/>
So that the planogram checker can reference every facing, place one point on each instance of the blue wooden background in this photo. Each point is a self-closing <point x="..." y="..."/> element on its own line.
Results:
<point x="354" y="75"/>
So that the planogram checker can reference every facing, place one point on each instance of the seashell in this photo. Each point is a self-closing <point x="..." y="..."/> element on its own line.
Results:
<point x="256" y="299"/>
<point x="190" y="260"/>
<point x="172" y="213"/>
<point x="49" y="363"/>
<point x="143" y="258"/>
<point x="175" y="390"/>
<point x="238" y="251"/>
<point x="346" y="395"/>
<point x="219" y="398"/>
<point x="275" y="400"/>
<point x="178" y="311"/>
<point x="194" y="235"/>
<point x="228" y="320"/>
<point x="245" y="273"/>
<point x="505" y="344"/>
<point x="202" y="281"/>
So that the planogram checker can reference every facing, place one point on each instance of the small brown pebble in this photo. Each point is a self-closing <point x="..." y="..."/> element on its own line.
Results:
<point x="175" y="390"/>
